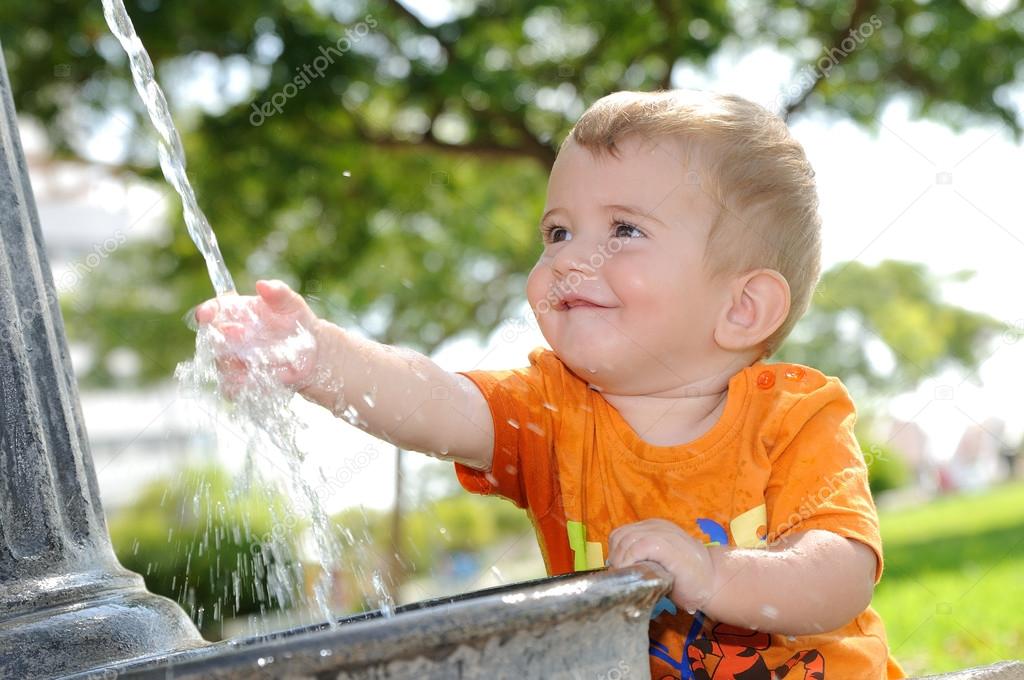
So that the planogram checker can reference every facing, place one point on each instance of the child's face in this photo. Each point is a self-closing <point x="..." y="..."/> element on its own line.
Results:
<point x="627" y="234"/>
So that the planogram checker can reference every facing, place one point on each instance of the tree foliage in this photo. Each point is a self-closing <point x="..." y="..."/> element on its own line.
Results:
<point x="400" y="187"/>
<point x="441" y="527"/>
<point x="885" y="328"/>
<point x="218" y="550"/>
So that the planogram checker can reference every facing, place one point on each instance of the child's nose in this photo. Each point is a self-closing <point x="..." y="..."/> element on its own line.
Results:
<point x="574" y="255"/>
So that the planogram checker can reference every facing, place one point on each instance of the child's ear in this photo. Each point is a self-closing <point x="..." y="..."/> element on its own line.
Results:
<point x="758" y="304"/>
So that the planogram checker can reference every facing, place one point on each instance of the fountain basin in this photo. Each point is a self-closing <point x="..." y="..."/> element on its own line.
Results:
<point x="587" y="625"/>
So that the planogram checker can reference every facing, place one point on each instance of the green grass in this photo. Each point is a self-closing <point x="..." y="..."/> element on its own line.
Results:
<point x="952" y="595"/>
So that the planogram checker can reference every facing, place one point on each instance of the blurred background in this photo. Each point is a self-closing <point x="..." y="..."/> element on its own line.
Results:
<point x="389" y="159"/>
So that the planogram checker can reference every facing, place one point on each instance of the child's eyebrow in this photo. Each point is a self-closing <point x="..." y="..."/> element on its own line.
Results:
<point x="549" y="213"/>
<point x="634" y="210"/>
<point x="631" y="209"/>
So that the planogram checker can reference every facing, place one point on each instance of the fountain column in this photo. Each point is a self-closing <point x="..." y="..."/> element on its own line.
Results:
<point x="66" y="604"/>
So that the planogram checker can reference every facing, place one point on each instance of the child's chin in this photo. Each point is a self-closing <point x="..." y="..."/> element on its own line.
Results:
<point x="587" y="365"/>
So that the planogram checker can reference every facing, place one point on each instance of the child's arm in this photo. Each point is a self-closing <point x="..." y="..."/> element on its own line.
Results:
<point x="398" y="394"/>
<point x="808" y="582"/>
<point x="416" y="404"/>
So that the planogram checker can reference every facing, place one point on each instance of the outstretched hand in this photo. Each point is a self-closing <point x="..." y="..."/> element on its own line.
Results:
<point x="272" y="331"/>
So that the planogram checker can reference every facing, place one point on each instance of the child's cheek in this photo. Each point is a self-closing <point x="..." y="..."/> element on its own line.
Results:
<point x="641" y="287"/>
<point x="539" y="290"/>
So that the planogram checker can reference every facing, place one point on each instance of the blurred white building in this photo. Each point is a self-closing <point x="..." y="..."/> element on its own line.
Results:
<point x="976" y="463"/>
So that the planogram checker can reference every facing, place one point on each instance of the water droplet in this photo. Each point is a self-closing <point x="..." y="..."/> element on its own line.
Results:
<point x="770" y="611"/>
<point x="513" y="423"/>
<point x="387" y="603"/>
<point x="346" y="173"/>
<point x="791" y="638"/>
<point x="550" y="407"/>
<point x="691" y="612"/>
<point x="536" y="429"/>
<point x="326" y="652"/>
<point x="443" y="531"/>
<point x="368" y="398"/>
<point x="594" y="387"/>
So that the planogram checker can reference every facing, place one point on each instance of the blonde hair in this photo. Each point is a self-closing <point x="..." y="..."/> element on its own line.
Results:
<point x="752" y="168"/>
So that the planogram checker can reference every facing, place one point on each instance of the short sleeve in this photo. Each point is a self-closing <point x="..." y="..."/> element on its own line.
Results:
<point x="522" y="468"/>
<point x="818" y="478"/>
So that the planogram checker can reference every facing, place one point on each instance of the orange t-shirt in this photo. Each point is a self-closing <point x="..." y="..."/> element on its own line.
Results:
<point x="782" y="458"/>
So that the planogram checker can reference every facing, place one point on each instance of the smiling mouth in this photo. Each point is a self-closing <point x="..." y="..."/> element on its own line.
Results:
<point x="577" y="304"/>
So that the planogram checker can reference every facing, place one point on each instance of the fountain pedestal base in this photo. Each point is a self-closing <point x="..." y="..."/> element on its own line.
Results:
<point x="92" y="629"/>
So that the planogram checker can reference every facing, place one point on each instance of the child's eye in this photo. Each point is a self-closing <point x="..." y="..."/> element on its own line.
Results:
<point x="627" y="230"/>
<point x="553" y="232"/>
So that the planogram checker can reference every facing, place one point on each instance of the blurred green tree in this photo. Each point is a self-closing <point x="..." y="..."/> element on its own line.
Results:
<point x="887" y="467"/>
<point x="399" y="183"/>
<point x="216" y="549"/>
<point x="885" y="328"/>
<point x="433" y="529"/>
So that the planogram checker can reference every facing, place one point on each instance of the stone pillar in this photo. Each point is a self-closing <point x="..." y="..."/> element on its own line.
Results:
<point x="66" y="604"/>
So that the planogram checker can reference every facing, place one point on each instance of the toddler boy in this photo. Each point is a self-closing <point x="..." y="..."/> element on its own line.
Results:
<point x="681" y="244"/>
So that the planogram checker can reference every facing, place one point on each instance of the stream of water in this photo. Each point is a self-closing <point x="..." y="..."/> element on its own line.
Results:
<point x="172" y="155"/>
<point x="261" y="413"/>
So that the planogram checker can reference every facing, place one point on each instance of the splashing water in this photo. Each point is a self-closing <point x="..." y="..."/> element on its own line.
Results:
<point x="263" y="415"/>
<point x="387" y="604"/>
<point x="262" y="410"/>
<point x="172" y="155"/>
